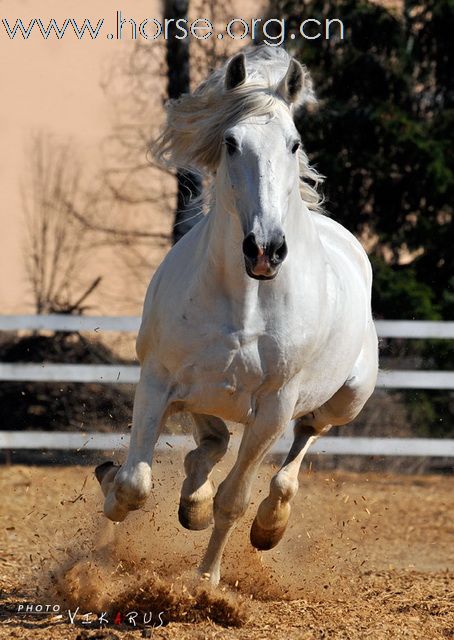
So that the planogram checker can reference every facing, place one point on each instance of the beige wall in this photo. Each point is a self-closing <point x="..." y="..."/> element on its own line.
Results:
<point x="55" y="85"/>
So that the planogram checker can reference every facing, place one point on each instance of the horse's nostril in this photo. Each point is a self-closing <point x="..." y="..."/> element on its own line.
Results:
<point x="279" y="251"/>
<point x="250" y="248"/>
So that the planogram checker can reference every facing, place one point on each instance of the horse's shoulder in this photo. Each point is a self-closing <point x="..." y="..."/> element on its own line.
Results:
<point x="331" y="230"/>
<point x="337" y="239"/>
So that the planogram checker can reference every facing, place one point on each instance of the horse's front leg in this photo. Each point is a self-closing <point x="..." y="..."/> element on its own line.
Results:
<point x="196" y="502"/>
<point x="127" y="487"/>
<point x="233" y="495"/>
<point x="274" y="511"/>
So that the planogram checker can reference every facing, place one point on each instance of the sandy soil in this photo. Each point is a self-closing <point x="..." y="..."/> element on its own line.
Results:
<point x="365" y="556"/>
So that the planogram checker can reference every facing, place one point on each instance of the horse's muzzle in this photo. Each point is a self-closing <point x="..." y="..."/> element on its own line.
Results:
<point x="263" y="261"/>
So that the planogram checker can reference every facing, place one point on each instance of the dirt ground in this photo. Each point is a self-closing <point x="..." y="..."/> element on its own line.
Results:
<point x="365" y="556"/>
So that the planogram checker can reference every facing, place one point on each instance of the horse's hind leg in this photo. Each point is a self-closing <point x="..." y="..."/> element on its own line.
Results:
<point x="127" y="487"/>
<point x="273" y="513"/>
<point x="196" y="502"/>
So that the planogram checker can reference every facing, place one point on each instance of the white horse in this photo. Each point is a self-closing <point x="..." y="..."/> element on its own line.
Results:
<point x="260" y="315"/>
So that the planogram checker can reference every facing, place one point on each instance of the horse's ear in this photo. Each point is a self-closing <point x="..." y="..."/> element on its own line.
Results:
<point x="236" y="71"/>
<point x="296" y="85"/>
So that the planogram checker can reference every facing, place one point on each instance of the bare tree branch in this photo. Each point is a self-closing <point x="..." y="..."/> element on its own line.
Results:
<point x="56" y="246"/>
<point x="113" y="230"/>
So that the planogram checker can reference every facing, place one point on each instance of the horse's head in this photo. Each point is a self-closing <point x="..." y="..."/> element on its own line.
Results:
<point x="238" y="126"/>
<point x="260" y="165"/>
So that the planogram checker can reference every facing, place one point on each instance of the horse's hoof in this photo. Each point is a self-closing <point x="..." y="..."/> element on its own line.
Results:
<point x="105" y="473"/>
<point x="102" y="469"/>
<point x="195" y="516"/>
<point x="113" y="510"/>
<point x="265" y="539"/>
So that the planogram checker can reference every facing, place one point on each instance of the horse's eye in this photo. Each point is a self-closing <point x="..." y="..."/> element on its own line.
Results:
<point x="231" y="145"/>
<point x="296" y="146"/>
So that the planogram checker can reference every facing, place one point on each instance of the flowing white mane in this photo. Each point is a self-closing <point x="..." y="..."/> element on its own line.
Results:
<point x="193" y="135"/>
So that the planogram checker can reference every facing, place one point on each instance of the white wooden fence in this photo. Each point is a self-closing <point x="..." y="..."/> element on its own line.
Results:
<point x="127" y="374"/>
<point x="422" y="447"/>
<point x="385" y="328"/>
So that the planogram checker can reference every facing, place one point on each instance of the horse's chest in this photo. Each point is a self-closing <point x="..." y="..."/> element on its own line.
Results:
<point x="224" y="374"/>
<point x="249" y="356"/>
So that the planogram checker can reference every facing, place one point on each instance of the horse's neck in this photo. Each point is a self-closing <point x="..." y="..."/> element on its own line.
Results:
<point x="226" y="270"/>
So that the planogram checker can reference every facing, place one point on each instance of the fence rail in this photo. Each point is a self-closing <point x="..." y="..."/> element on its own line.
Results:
<point x="129" y="374"/>
<point x="69" y="323"/>
<point x="55" y="440"/>
<point x="411" y="329"/>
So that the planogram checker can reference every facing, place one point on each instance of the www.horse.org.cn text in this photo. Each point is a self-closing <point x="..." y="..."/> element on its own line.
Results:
<point x="273" y="31"/>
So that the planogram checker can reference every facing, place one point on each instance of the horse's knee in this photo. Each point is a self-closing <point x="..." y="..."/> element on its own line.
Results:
<point x="196" y="462"/>
<point x="221" y="444"/>
<point x="228" y="507"/>
<point x="133" y="486"/>
<point x="219" y="449"/>
<point x="215" y="446"/>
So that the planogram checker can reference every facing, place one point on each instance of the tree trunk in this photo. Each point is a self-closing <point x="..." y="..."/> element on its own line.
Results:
<point x="189" y="182"/>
